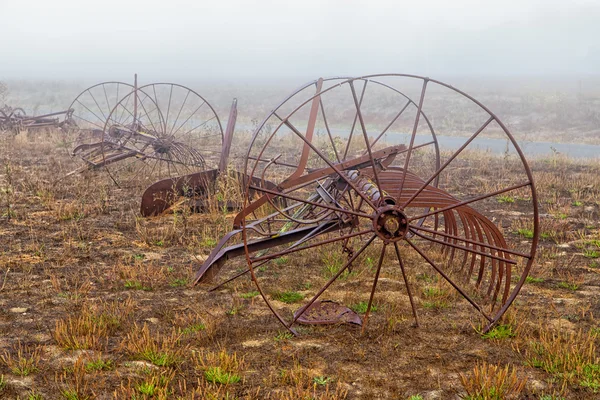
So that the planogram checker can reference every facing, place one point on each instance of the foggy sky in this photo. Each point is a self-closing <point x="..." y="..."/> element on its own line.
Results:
<point x="221" y="39"/>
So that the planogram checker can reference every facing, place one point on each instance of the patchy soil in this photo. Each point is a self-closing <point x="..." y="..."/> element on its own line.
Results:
<point x="96" y="302"/>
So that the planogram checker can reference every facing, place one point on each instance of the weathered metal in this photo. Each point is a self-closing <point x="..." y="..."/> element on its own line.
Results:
<point x="15" y="120"/>
<point x="360" y="192"/>
<point x="197" y="186"/>
<point x="139" y="135"/>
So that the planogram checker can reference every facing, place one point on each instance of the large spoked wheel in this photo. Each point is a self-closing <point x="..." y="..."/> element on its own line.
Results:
<point x="358" y="173"/>
<point x="89" y="111"/>
<point x="160" y="131"/>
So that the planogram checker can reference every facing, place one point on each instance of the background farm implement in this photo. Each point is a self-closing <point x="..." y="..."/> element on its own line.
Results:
<point x="15" y="120"/>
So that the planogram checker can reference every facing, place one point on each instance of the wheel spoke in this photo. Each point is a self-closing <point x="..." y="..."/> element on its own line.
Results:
<point x="375" y="280"/>
<point x="179" y="113"/>
<point x="366" y="137"/>
<point x="150" y="119"/>
<point x="408" y="291"/>
<point x="337" y="275"/>
<point x="464" y="248"/>
<point x="328" y="162"/>
<point x="287" y="196"/>
<point x="466" y="240"/>
<point x="412" y="138"/>
<point x="439" y="171"/>
<point x="337" y="156"/>
<point x="168" y="108"/>
<point x="97" y="105"/>
<point x="390" y="124"/>
<point x="450" y="281"/>
<point x="106" y="98"/>
<point x="354" y="122"/>
<point x="200" y="126"/>
<point x="309" y="246"/>
<point x="93" y="113"/>
<point x="188" y="118"/>
<point x="478" y="198"/>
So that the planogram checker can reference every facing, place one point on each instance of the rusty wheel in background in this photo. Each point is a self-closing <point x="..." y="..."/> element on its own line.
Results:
<point x="356" y="164"/>
<point x="159" y="131"/>
<point x="90" y="109"/>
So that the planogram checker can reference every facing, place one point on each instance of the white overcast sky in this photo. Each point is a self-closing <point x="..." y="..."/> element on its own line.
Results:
<point x="220" y="39"/>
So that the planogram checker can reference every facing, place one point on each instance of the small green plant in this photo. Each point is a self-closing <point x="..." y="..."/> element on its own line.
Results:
<point x="531" y="279"/>
<point x="437" y="304"/>
<point x="288" y="297"/>
<point x="361" y="307"/>
<point x="194" y="328"/>
<point x="178" y="282"/>
<point x="147" y="388"/>
<point x="281" y="261"/>
<point x="34" y="396"/>
<point x="136" y="285"/>
<point x="591" y="254"/>
<point x="433" y="292"/>
<point x="321" y="380"/>
<point x="25" y="363"/>
<point x="572" y="286"/>
<point x="233" y="310"/>
<point x="333" y="261"/>
<point x="505" y="199"/>
<point x="2" y="383"/>
<point x="217" y="375"/>
<point x="71" y="395"/>
<point x="160" y="359"/>
<point x="591" y="377"/>
<point x="526" y="233"/>
<point x="415" y="397"/>
<point x="249" y="295"/>
<point x="209" y="242"/>
<point x="500" y="332"/>
<point x="99" y="365"/>
<point x="284" y="335"/>
<point x="425" y="277"/>
<point x="577" y="203"/>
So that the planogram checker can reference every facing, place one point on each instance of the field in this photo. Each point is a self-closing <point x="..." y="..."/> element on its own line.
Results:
<point x="96" y="302"/>
<point x="552" y="109"/>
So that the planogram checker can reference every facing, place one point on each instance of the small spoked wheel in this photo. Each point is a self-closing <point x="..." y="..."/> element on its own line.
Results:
<point x="362" y="191"/>
<point x="88" y="113"/>
<point x="159" y="131"/>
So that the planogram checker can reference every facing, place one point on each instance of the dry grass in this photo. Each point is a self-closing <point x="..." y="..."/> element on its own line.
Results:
<point x="162" y="350"/>
<point x="22" y="360"/>
<point x="571" y="358"/>
<point x="492" y="382"/>
<point x="110" y="311"/>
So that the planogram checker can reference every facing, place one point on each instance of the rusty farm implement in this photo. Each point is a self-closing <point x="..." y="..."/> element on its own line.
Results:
<point x="354" y="168"/>
<point x="155" y="132"/>
<point x="16" y="120"/>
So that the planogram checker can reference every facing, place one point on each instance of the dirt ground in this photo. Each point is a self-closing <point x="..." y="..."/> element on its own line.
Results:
<point x="96" y="302"/>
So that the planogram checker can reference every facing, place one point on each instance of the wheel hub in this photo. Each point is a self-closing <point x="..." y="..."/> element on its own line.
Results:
<point x="390" y="223"/>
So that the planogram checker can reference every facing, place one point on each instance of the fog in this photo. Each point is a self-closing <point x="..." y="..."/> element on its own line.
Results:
<point x="276" y="40"/>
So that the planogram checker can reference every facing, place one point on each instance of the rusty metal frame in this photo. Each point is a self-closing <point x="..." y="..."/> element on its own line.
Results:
<point x="399" y="200"/>
<point x="15" y="120"/>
